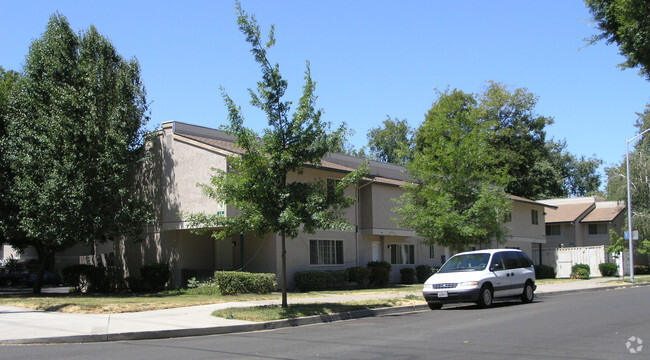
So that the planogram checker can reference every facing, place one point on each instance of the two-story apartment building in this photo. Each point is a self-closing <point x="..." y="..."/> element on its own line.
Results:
<point x="185" y="157"/>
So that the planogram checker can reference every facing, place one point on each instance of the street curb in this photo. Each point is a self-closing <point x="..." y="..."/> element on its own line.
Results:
<point x="270" y="325"/>
<point x="218" y="330"/>
<point x="599" y="288"/>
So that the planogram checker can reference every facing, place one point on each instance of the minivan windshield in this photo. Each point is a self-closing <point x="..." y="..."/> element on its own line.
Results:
<point x="467" y="262"/>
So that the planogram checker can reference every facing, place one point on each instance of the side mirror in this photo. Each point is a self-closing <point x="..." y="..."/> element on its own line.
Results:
<point x="496" y="266"/>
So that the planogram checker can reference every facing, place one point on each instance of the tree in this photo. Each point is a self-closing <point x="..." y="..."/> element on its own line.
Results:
<point x="457" y="197"/>
<point x="74" y="141"/>
<point x="8" y="83"/>
<point x="616" y="188"/>
<point x="258" y="183"/>
<point x="626" y="23"/>
<point x="573" y="176"/>
<point x="517" y="138"/>
<point x="391" y="143"/>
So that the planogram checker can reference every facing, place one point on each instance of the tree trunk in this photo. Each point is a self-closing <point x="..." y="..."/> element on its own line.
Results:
<point x="284" y="272"/>
<point x="44" y="259"/>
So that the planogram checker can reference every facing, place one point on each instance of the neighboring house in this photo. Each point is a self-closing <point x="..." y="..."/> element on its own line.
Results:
<point x="186" y="155"/>
<point x="584" y="221"/>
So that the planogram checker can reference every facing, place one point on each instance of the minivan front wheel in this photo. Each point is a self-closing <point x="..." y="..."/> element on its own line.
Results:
<point x="435" y="306"/>
<point x="528" y="294"/>
<point x="485" y="297"/>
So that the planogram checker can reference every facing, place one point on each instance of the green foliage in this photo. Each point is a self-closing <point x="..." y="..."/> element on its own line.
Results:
<point x="257" y="183"/>
<point x="391" y="143"/>
<point x="155" y="276"/>
<point x="359" y="275"/>
<point x="379" y="273"/>
<point x="625" y="23"/>
<point x="544" y="272"/>
<point x="580" y="271"/>
<point x="608" y="269"/>
<point x="236" y="282"/>
<point x="320" y="279"/>
<point x="639" y="187"/>
<point x="74" y="141"/>
<point x="457" y="198"/>
<point x="641" y="270"/>
<point x="407" y="275"/>
<point x="423" y="272"/>
<point x="192" y="283"/>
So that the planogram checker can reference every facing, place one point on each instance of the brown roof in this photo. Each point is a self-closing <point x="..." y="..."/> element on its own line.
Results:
<point x="603" y="214"/>
<point x="567" y="212"/>
<point x="528" y="201"/>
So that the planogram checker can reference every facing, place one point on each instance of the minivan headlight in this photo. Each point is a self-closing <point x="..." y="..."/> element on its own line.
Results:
<point x="469" y="283"/>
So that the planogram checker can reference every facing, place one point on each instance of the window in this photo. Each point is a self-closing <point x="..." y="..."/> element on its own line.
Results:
<point x="534" y="215"/>
<point x="401" y="254"/>
<point x="432" y="252"/>
<point x="325" y="252"/>
<point x="552" y="230"/>
<point x="597" y="229"/>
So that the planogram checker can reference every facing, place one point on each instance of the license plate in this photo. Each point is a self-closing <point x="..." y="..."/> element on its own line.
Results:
<point x="442" y="294"/>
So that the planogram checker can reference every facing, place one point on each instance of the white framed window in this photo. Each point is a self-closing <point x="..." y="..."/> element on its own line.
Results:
<point x="402" y="254"/>
<point x="325" y="252"/>
<point x="534" y="216"/>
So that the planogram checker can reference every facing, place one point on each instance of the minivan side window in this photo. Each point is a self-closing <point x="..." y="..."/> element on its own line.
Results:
<point x="525" y="260"/>
<point x="511" y="260"/>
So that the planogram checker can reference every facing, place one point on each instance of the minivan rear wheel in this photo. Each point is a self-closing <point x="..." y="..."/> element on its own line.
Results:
<point x="528" y="294"/>
<point x="485" y="297"/>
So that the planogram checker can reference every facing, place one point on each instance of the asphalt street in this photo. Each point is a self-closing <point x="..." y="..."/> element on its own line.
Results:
<point x="583" y="325"/>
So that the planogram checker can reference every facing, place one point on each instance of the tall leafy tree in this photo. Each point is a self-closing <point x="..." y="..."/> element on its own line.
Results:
<point x="74" y="140"/>
<point x="8" y="82"/>
<point x="260" y="182"/>
<point x="626" y="23"/>
<point x="639" y="183"/>
<point x="517" y="138"/>
<point x="457" y="197"/>
<point x="391" y="142"/>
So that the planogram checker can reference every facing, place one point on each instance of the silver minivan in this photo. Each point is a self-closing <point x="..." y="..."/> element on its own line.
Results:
<point x="482" y="276"/>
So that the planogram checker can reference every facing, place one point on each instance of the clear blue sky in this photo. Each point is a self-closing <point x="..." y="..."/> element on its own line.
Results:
<point x="370" y="59"/>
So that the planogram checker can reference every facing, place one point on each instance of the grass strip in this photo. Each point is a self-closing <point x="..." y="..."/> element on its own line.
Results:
<point x="276" y="312"/>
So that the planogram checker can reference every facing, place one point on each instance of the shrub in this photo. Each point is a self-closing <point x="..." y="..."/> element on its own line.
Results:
<point x="379" y="273"/>
<point x="544" y="272"/>
<point x="85" y="278"/>
<point x="320" y="279"/>
<point x="407" y="275"/>
<point x="423" y="272"/>
<point x="135" y="284"/>
<point x="154" y="276"/>
<point x="580" y="271"/>
<point x="359" y="275"/>
<point x="608" y="269"/>
<point x="237" y="282"/>
<point x="641" y="270"/>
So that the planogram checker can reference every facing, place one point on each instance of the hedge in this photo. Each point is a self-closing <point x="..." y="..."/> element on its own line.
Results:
<point x="544" y="272"/>
<point x="359" y="275"/>
<point x="407" y="275"/>
<point x="423" y="272"/>
<point x="155" y="276"/>
<point x="320" y="279"/>
<point x="237" y="282"/>
<point x="85" y="278"/>
<point x="379" y="273"/>
<point x="608" y="269"/>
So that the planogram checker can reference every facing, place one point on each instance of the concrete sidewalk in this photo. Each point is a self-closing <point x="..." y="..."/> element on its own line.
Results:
<point x="24" y="326"/>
